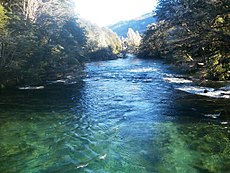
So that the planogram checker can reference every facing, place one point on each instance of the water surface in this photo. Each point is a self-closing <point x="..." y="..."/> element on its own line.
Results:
<point x="123" y="117"/>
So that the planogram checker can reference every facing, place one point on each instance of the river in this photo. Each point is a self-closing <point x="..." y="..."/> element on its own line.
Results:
<point x="125" y="116"/>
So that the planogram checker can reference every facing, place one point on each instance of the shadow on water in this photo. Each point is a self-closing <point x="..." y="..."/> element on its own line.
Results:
<point x="198" y="140"/>
<point x="123" y="117"/>
<point x="52" y="97"/>
<point x="35" y="126"/>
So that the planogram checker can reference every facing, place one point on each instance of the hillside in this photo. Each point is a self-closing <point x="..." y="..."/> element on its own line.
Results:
<point x="102" y="43"/>
<point x="139" y="24"/>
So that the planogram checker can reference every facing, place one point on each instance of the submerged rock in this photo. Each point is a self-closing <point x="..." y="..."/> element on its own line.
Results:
<point x="206" y="91"/>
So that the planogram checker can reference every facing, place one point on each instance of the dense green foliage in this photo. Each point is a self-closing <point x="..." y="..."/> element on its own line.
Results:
<point x="195" y="34"/>
<point x="44" y="40"/>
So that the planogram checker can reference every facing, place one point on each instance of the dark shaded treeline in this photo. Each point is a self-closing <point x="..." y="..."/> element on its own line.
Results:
<point x="43" y="40"/>
<point x="195" y="35"/>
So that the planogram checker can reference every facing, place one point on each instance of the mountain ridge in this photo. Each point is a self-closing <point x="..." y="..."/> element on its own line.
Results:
<point x="138" y="24"/>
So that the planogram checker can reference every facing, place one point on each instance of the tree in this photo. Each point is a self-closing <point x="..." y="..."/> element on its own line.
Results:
<point x="192" y="32"/>
<point x="102" y="43"/>
<point x="132" y="41"/>
<point x="3" y="19"/>
<point x="43" y="42"/>
<point x="133" y="38"/>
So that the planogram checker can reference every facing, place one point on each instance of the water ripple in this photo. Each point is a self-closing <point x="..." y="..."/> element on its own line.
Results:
<point x="125" y="116"/>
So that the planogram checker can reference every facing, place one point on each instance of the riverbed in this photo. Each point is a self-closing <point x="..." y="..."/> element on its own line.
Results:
<point x="125" y="116"/>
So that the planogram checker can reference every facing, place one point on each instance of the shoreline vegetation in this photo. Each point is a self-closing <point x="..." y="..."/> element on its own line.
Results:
<point x="192" y="35"/>
<point x="44" y="41"/>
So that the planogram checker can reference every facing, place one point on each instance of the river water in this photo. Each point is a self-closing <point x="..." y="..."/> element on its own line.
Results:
<point x="125" y="116"/>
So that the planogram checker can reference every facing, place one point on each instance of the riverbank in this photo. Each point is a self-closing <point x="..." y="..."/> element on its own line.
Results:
<point x="198" y="84"/>
<point x="192" y="35"/>
<point x="181" y="80"/>
<point x="33" y="77"/>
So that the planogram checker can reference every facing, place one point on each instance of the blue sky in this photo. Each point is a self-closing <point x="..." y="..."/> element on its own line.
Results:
<point x="106" y="12"/>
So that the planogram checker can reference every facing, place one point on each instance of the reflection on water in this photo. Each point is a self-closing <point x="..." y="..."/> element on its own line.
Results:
<point x="123" y="117"/>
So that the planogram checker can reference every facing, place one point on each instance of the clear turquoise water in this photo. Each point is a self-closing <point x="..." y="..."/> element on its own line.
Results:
<point x="122" y="118"/>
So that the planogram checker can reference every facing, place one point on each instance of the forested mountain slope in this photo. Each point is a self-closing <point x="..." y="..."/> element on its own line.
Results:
<point x="102" y="43"/>
<point x="139" y="24"/>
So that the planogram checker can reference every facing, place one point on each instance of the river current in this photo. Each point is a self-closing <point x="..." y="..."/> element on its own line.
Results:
<point x="125" y="116"/>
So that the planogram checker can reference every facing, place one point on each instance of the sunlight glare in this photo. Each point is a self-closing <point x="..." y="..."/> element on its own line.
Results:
<point x="107" y="12"/>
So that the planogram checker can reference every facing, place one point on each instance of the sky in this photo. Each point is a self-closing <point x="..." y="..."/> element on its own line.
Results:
<point x="107" y="12"/>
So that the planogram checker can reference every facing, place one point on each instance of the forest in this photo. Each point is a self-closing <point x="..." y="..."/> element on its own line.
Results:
<point x="193" y="35"/>
<point x="45" y="40"/>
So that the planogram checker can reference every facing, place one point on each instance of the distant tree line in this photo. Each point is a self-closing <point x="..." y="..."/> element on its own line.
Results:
<point x="102" y="43"/>
<point x="194" y="34"/>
